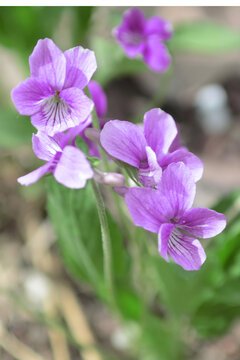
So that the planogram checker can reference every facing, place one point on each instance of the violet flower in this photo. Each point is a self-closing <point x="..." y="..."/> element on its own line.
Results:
<point x="53" y="96"/>
<point x="148" y="149"/>
<point x="167" y="211"/>
<point x="67" y="163"/>
<point x="99" y="98"/>
<point x="137" y="35"/>
<point x="100" y="103"/>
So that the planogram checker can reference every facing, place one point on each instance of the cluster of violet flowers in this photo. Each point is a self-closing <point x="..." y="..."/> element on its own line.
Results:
<point x="164" y="171"/>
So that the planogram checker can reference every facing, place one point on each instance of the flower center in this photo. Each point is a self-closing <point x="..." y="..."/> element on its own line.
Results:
<point x="132" y="38"/>
<point x="55" y="110"/>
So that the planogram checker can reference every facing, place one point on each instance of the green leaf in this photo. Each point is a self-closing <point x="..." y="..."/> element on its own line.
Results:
<point x="94" y="161"/>
<point x="28" y="20"/>
<point x="81" y="144"/>
<point x="216" y="315"/>
<point x="75" y="219"/>
<point x="227" y="202"/>
<point x="81" y="23"/>
<point x="112" y="61"/>
<point x="16" y="130"/>
<point x="204" y="38"/>
<point x="160" y="339"/>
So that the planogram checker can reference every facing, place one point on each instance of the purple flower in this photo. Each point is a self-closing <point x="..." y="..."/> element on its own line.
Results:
<point x="99" y="98"/>
<point x="167" y="211"/>
<point x="137" y="35"/>
<point x="148" y="149"/>
<point x="53" y="96"/>
<point x="100" y="103"/>
<point x="67" y="163"/>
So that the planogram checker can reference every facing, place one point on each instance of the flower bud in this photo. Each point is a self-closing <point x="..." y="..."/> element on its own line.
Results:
<point x="111" y="179"/>
<point x="93" y="134"/>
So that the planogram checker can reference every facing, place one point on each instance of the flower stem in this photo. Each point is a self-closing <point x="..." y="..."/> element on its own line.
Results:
<point x="106" y="242"/>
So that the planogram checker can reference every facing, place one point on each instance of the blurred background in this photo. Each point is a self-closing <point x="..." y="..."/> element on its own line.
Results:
<point x="48" y="308"/>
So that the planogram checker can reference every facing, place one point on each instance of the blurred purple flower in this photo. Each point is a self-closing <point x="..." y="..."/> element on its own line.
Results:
<point x="167" y="211"/>
<point x="67" y="163"/>
<point x="53" y="96"/>
<point x="148" y="149"/>
<point x="137" y="35"/>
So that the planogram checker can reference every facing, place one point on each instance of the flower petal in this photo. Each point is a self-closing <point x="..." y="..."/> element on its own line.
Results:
<point x="202" y="222"/>
<point x="149" y="174"/>
<point x="99" y="98"/>
<point x="44" y="146"/>
<point x="73" y="169"/>
<point x="29" y="95"/>
<point x="124" y="141"/>
<point x="158" y="26"/>
<point x="81" y="65"/>
<point x="177" y="185"/>
<point x="58" y="114"/>
<point x="188" y="158"/>
<point x="35" y="175"/>
<point x="163" y="238"/>
<point x="47" y="63"/>
<point x="185" y="250"/>
<point x="176" y="144"/>
<point x="160" y="130"/>
<point x="147" y="207"/>
<point x="156" y="55"/>
<point x="79" y="129"/>
<point x="130" y="32"/>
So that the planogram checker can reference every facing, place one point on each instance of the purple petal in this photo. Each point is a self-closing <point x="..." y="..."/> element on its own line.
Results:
<point x="188" y="158"/>
<point x="29" y="95"/>
<point x="202" y="222"/>
<point x="35" y="175"/>
<point x="150" y="173"/>
<point x="124" y="141"/>
<point x="159" y="130"/>
<point x="158" y="26"/>
<point x="48" y="64"/>
<point x="177" y="185"/>
<point x="156" y="55"/>
<point x="77" y="130"/>
<point x="44" y="146"/>
<point x="130" y="33"/>
<point x="185" y="250"/>
<point x="163" y="238"/>
<point x="62" y="112"/>
<point x="176" y="144"/>
<point x="148" y="208"/>
<point x="73" y="169"/>
<point x="99" y="98"/>
<point x="81" y="65"/>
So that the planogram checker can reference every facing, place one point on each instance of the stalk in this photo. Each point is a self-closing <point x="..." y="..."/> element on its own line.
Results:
<point x="106" y="242"/>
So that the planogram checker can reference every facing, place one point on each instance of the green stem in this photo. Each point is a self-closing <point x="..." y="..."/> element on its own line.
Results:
<point x="96" y="125"/>
<point x="106" y="242"/>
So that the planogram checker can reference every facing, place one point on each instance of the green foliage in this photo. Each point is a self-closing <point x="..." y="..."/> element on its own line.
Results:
<point x="32" y="23"/>
<point x="16" y="130"/>
<point x="216" y="313"/>
<point x="81" y="24"/>
<point x="204" y="38"/>
<point x="75" y="219"/>
<point x="81" y="144"/>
